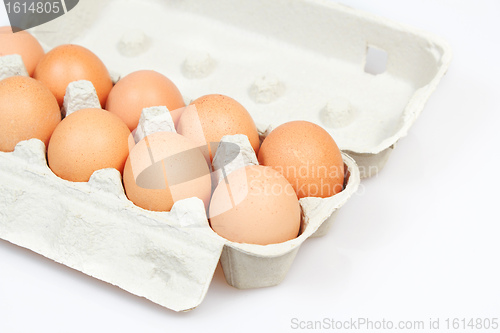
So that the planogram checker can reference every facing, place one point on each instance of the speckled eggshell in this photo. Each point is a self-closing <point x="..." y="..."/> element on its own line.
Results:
<point x="255" y="205"/>
<point x="27" y="110"/>
<point x="143" y="89"/>
<point x="22" y="43"/>
<point x="307" y="156"/>
<point x="218" y="115"/>
<point x="67" y="63"/>
<point x="163" y="168"/>
<point x="86" y="141"/>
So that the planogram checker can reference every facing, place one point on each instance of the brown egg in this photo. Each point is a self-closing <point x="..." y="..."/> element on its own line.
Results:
<point x="85" y="141"/>
<point x="217" y="116"/>
<point x="22" y="43"/>
<point x="139" y="90"/>
<point x="163" y="168"/>
<point x="307" y="156"/>
<point x="255" y="205"/>
<point x="27" y="110"/>
<point x="67" y="63"/>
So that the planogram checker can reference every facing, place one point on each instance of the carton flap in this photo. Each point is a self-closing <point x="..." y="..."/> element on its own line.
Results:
<point x="166" y="257"/>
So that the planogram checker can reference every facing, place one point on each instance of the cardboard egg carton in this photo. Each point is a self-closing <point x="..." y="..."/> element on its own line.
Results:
<point x="309" y="60"/>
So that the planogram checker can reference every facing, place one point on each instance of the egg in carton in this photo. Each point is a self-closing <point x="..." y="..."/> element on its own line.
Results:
<point x="366" y="107"/>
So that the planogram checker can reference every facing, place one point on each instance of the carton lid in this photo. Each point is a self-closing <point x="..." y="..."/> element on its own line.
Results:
<point x="365" y="79"/>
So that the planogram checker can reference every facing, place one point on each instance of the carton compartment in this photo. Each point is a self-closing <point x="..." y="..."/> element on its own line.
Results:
<point x="254" y="266"/>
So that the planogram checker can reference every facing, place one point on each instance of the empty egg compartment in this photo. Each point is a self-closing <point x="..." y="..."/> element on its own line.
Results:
<point x="365" y="79"/>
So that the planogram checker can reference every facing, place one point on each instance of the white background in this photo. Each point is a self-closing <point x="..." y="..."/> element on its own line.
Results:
<point x="421" y="240"/>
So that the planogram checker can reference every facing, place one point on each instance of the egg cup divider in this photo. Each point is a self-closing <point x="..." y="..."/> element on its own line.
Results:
<point x="166" y="257"/>
<point x="11" y="65"/>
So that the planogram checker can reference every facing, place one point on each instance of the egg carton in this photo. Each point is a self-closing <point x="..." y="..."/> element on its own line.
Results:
<point x="284" y="60"/>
